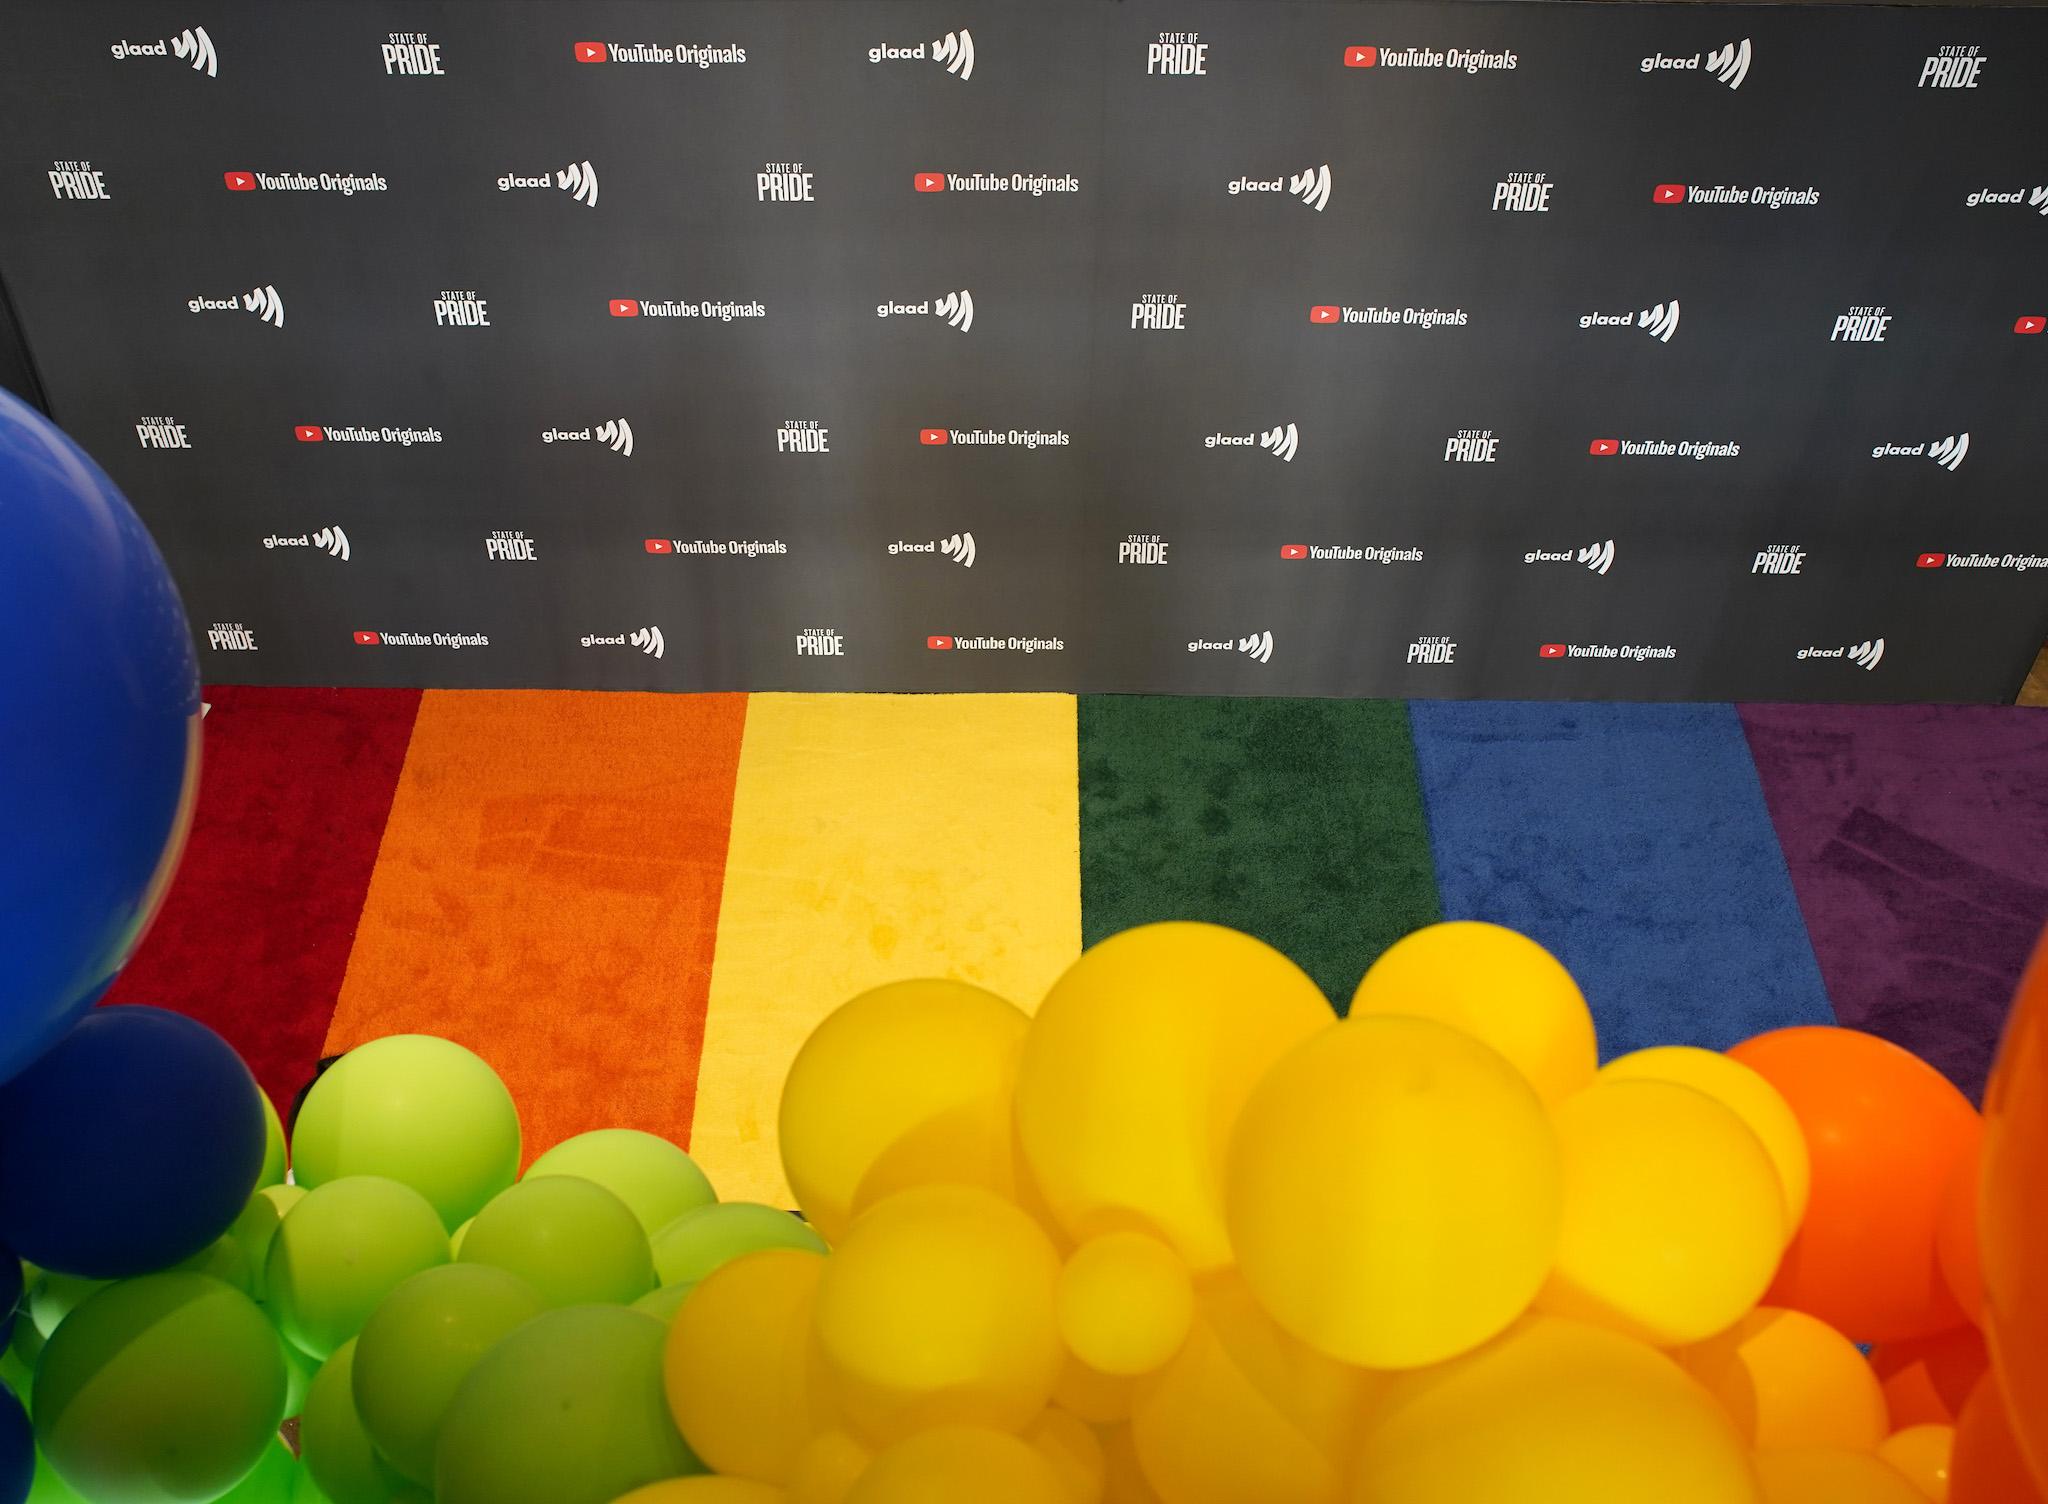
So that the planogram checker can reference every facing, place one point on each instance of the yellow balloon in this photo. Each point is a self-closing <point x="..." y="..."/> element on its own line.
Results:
<point x="1134" y="1071"/>
<point x="1553" y="1411"/>
<point x="1101" y="1399"/>
<point x="705" y="1491"/>
<point x="1743" y="1092"/>
<point x="909" y="1084"/>
<point x="1498" y="986"/>
<point x="1920" y="1455"/>
<point x="1673" y="1217"/>
<point x="1788" y="1379"/>
<point x="827" y="1468"/>
<point x="1124" y="1303"/>
<point x="1245" y="1411"/>
<point x="937" y="1308"/>
<point x="1123" y="1476"/>
<point x="1071" y="1447"/>
<point x="1394" y="1192"/>
<point x="957" y="1464"/>
<point x="740" y="1368"/>
<point x="1823" y="1475"/>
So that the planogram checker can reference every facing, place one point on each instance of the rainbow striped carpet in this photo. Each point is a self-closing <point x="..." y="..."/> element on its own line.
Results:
<point x="636" y="906"/>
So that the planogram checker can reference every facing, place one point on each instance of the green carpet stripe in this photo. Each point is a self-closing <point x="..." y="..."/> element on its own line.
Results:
<point x="1299" y="821"/>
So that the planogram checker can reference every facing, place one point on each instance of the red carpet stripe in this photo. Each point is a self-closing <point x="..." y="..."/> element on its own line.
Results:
<point x="254" y="936"/>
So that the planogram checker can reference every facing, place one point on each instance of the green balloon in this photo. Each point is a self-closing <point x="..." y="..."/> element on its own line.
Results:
<point x="27" y="1343"/>
<point x="299" y="1368"/>
<point x="663" y="1304"/>
<point x="306" y="1491"/>
<point x="272" y="1172"/>
<point x="159" y="1390"/>
<point x="422" y="1111"/>
<point x="271" y="1481"/>
<point x="569" y="1409"/>
<point x="336" y="1450"/>
<point x="16" y="1375"/>
<point x="419" y="1346"/>
<point x="571" y="1239"/>
<point x="455" y="1238"/>
<point x="54" y="1296"/>
<point x="224" y="1259"/>
<point x="256" y="1224"/>
<point x="699" y="1241"/>
<point x="341" y="1250"/>
<point x="48" y="1488"/>
<point x="651" y="1175"/>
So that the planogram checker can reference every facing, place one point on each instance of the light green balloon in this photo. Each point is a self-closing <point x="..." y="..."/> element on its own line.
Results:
<point x="159" y="1390"/>
<point x="421" y="1343"/>
<point x="663" y="1304"/>
<point x="699" y="1241"/>
<point x="256" y="1224"/>
<point x="306" y="1491"/>
<point x="299" y="1368"/>
<point x="15" y="1374"/>
<point x="335" y="1449"/>
<point x="271" y="1481"/>
<point x="272" y="1172"/>
<point x="341" y="1250"/>
<point x="27" y="1342"/>
<point x="571" y="1239"/>
<point x="651" y="1175"/>
<point x="420" y="1110"/>
<point x="54" y="1296"/>
<point x="51" y="1489"/>
<point x="225" y="1260"/>
<point x="569" y="1409"/>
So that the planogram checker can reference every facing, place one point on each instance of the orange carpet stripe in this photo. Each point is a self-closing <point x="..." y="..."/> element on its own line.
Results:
<point x="547" y="893"/>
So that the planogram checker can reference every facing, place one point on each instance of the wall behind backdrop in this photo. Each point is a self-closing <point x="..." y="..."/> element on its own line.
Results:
<point x="1614" y="351"/>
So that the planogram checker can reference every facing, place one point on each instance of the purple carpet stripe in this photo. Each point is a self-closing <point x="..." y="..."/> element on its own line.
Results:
<point x="1633" y="841"/>
<point x="1917" y="836"/>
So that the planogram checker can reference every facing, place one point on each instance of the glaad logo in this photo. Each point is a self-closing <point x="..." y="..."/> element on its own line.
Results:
<point x="649" y="641"/>
<point x="161" y="433"/>
<point x="954" y="52"/>
<point x="230" y="637"/>
<point x="1311" y="186"/>
<point x="261" y="301"/>
<point x="2034" y="198"/>
<point x="1865" y="655"/>
<point x="1258" y="646"/>
<point x="1947" y="453"/>
<point x="78" y="180"/>
<point x="1282" y="442"/>
<point x="617" y="435"/>
<point x="1661" y="321"/>
<point x="820" y="642"/>
<point x="1953" y="67"/>
<point x="191" y="44"/>
<point x="331" y="541"/>
<point x="1779" y="558"/>
<point x="578" y="180"/>
<point x="1598" y="557"/>
<point x="1729" y="64"/>
<point x="959" y="548"/>
<point x="956" y="308"/>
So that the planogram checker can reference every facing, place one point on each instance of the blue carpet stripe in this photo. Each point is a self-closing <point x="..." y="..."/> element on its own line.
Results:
<point x="1634" y="842"/>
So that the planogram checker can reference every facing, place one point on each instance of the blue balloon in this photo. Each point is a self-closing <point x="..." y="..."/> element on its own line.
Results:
<point x="17" y="1450"/>
<point x="132" y="1144"/>
<point x="99" y="692"/>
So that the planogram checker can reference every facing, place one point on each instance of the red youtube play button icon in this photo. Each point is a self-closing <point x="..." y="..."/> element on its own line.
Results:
<point x="625" y="308"/>
<point x="1326" y="313"/>
<point x="1930" y="561"/>
<point x="933" y="436"/>
<point x="309" y="433"/>
<point x="2030" y="323"/>
<point x="928" y="182"/>
<point x="660" y="546"/>
<point x="1294" y="550"/>
<point x="943" y="644"/>
<point x="1604" y="446"/>
<point x="1361" y="57"/>
<point x="368" y="639"/>
<point x="239" y="182"/>
<point x="592" y="52"/>
<point x="1668" y="193"/>
<point x="1551" y="650"/>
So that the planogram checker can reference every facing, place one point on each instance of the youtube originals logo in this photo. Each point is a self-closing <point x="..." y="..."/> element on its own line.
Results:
<point x="2030" y="323"/>
<point x="346" y="184"/>
<point x="1930" y="561"/>
<point x="1361" y="57"/>
<point x="1604" y="447"/>
<point x="240" y="182"/>
<point x="1668" y="193"/>
<point x="368" y="639"/>
<point x="649" y="52"/>
<point x="310" y="433"/>
<point x="939" y="644"/>
<point x="933" y="436"/>
<point x="1445" y="60"/>
<point x="1551" y="650"/>
<point x="1725" y="193"/>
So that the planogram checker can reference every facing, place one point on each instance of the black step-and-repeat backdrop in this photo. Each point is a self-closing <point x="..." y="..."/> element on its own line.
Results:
<point x="1617" y="351"/>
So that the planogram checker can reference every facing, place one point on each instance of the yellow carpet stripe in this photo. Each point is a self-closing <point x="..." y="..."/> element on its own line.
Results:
<point x="878" y="837"/>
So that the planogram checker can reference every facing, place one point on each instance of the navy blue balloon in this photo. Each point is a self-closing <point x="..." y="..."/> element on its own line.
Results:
<point x="132" y="1144"/>
<point x="17" y="1450"/>
<point x="99" y="732"/>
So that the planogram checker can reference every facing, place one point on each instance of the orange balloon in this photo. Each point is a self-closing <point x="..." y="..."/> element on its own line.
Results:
<point x="1927" y="1379"/>
<point x="1986" y="1466"/>
<point x="2013" y="1216"/>
<point x="1955" y="1235"/>
<point x="1884" y="1130"/>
